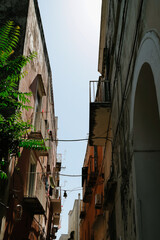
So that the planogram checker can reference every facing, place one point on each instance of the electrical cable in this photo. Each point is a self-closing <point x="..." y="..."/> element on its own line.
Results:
<point x="76" y="140"/>
<point x="70" y="175"/>
<point x="72" y="190"/>
<point x="61" y="174"/>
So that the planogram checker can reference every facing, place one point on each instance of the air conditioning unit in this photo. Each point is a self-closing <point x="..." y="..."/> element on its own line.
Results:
<point x="98" y="201"/>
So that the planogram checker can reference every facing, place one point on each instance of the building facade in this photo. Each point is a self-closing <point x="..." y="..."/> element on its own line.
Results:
<point x="32" y="197"/>
<point x="124" y="118"/>
<point x="91" y="214"/>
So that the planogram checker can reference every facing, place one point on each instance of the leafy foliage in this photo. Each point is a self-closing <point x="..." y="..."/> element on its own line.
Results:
<point x="13" y="130"/>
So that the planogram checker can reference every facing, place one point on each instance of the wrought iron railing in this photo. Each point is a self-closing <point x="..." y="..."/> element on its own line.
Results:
<point x="99" y="91"/>
<point x="92" y="170"/>
<point x="36" y="188"/>
<point x="40" y="124"/>
<point x="56" y="194"/>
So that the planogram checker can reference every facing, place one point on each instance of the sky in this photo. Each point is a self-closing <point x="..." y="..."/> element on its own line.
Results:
<point x="71" y="29"/>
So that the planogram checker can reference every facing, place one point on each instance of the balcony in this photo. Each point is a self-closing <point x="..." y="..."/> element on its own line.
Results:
<point x="58" y="166"/>
<point x="100" y="107"/>
<point x="93" y="171"/>
<point x="56" y="219"/>
<point x="53" y="232"/>
<point x="54" y="229"/>
<point x="35" y="200"/>
<point x="55" y="200"/>
<point x="40" y="132"/>
<point x="87" y="192"/>
<point x="58" y="163"/>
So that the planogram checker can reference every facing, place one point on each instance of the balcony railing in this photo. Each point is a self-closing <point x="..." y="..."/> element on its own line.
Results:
<point x="100" y="105"/>
<point x="55" y="200"/>
<point x="35" y="199"/>
<point x="40" y="124"/>
<point x="56" y="218"/>
<point x="100" y="92"/>
<point x="93" y="170"/>
<point x="40" y="132"/>
<point x="59" y="162"/>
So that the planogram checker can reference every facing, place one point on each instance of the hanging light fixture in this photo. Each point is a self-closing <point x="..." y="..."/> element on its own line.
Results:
<point x="65" y="194"/>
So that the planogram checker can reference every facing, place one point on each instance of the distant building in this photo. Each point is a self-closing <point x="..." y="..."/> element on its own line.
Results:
<point x="74" y="220"/>
<point x="33" y="193"/>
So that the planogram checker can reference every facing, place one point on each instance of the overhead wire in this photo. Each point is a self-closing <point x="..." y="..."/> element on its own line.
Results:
<point x="70" y="175"/>
<point x="66" y="175"/>
<point x="72" y="190"/>
<point x="76" y="140"/>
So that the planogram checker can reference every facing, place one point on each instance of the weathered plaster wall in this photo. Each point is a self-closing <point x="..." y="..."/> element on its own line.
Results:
<point x="127" y="23"/>
<point x="26" y="14"/>
<point x="92" y="224"/>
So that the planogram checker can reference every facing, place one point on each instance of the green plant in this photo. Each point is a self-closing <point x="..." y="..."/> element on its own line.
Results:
<point x="13" y="130"/>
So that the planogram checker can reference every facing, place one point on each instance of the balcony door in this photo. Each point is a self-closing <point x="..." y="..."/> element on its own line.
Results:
<point x="38" y="108"/>
<point x="32" y="176"/>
